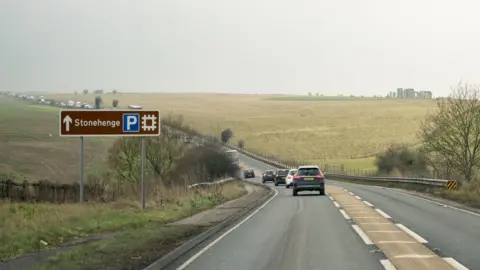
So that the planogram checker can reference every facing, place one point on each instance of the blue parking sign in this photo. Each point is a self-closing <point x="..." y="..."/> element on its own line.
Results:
<point x="131" y="122"/>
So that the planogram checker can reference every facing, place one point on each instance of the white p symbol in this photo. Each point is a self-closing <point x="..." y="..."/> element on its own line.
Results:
<point x="131" y="120"/>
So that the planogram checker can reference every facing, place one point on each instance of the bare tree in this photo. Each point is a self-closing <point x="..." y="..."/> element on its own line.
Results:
<point x="452" y="131"/>
<point x="162" y="153"/>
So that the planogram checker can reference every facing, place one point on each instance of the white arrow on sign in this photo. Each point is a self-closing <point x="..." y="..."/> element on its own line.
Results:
<point x="67" y="120"/>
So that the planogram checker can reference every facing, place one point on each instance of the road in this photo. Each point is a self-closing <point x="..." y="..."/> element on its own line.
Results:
<point x="309" y="232"/>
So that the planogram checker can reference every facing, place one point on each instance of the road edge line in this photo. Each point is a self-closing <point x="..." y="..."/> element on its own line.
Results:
<point x="189" y="245"/>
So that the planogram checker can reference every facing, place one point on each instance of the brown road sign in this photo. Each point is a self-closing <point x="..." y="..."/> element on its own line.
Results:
<point x="74" y="123"/>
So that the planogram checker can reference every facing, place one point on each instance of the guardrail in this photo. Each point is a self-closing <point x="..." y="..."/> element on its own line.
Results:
<point x="209" y="184"/>
<point x="449" y="184"/>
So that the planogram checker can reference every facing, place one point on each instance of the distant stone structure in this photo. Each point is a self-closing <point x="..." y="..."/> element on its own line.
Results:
<point x="410" y="93"/>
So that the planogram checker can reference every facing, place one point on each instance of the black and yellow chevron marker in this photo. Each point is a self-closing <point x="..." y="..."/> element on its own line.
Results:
<point x="452" y="185"/>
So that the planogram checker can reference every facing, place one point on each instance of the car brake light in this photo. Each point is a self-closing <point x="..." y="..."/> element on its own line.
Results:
<point x="296" y="177"/>
<point x="319" y="175"/>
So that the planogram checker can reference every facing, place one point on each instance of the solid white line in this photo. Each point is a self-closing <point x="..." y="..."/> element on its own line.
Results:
<point x="344" y="214"/>
<point x="434" y="202"/>
<point x="455" y="264"/>
<point x="336" y="204"/>
<point x="388" y="265"/>
<point x="358" y="198"/>
<point x="362" y="235"/>
<point x="198" y="254"/>
<point x="383" y="214"/>
<point x="412" y="234"/>
<point x="351" y="193"/>
<point x="367" y="203"/>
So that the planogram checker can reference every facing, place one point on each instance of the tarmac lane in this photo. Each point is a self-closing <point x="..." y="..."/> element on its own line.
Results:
<point x="304" y="232"/>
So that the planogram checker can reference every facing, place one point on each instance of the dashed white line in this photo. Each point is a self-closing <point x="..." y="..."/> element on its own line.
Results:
<point x="331" y="198"/>
<point x="344" y="214"/>
<point x="336" y="204"/>
<point x="414" y="256"/>
<point x="358" y="197"/>
<point x="367" y="203"/>
<point x="384" y="231"/>
<point x="412" y="234"/>
<point x="351" y="193"/>
<point x="397" y="242"/>
<point x="362" y="235"/>
<point x="455" y="264"/>
<point x="388" y="265"/>
<point x="383" y="214"/>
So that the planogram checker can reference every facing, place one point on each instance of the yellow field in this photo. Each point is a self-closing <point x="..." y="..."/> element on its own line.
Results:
<point x="321" y="130"/>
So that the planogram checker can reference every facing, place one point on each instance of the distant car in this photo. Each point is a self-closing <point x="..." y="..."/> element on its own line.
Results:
<point x="280" y="177"/>
<point x="268" y="175"/>
<point x="248" y="173"/>
<point x="308" y="178"/>
<point x="289" y="178"/>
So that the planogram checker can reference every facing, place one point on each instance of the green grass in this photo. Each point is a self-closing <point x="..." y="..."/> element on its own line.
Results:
<point x="133" y="249"/>
<point x="29" y="151"/>
<point x="24" y="226"/>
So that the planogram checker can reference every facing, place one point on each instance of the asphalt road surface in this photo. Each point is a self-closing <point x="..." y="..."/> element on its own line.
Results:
<point x="309" y="232"/>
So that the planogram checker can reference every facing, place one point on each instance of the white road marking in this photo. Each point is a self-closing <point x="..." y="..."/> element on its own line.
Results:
<point x="358" y="197"/>
<point x="383" y="214"/>
<point x="351" y="193"/>
<point x="369" y="217"/>
<point x="455" y="264"/>
<point x="344" y="214"/>
<point x="397" y="242"/>
<point x="331" y="198"/>
<point x="412" y="234"/>
<point x="362" y="235"/>
<point x="414" y="256"/>
<point x="434" y="202"/>
<point x="388" y="265"/>
<point x="385" y="231"/>
<point x="367" y="203"/>
<point x="336" y="204"/>
<point x="198" y="254"/>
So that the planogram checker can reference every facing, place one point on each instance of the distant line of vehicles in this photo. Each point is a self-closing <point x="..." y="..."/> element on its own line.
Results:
<point x="304" y="178"/>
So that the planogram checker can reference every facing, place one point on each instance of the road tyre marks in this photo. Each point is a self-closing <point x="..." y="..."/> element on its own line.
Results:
<point x="386" y="263"/>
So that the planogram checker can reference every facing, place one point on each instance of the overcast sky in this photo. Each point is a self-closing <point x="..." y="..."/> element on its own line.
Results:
<point x="249" y="46"/>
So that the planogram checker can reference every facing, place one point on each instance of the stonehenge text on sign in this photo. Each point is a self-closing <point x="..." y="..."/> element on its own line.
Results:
<point x="75" y="123"/>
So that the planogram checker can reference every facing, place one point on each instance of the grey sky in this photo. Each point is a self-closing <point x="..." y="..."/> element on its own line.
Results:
<point x="264" y="46"/>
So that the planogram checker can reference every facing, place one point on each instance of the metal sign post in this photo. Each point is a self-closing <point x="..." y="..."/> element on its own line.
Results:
<point x="102" y="123"/>
<point x="80" y="182"/>
<point x="143" y="172"/>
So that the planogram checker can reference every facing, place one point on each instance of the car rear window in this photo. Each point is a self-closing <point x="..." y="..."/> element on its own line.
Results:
<point x="292" y="172"/>
<point x="282" y="173"/>
<point x="309" y="171"/>
<point x="268" y="171"/>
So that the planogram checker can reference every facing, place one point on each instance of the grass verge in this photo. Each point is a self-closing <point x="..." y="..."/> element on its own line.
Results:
<point x="25" y="226"/>
<point x="465" y="195"/>
<point x="133" y="249"/>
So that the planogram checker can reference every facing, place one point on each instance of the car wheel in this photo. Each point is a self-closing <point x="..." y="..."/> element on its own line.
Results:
<point x="287" y="186"/>
<point x="276" y="183"/>
<point x="295" y="193"/>
<point x="322" y="192"/>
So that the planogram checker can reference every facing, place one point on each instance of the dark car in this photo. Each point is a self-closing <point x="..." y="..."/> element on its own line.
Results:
<point x="268" y="175"/>
<point x="248" y="173"/>
<point x="280" y="177"/>
<point x="308" y="178"/>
